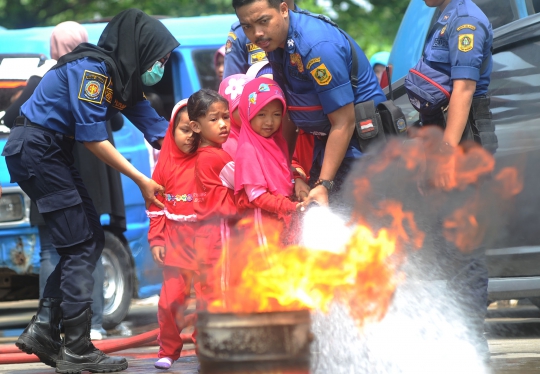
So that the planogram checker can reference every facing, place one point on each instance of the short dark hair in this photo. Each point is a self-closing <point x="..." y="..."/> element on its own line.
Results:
<point x="240" y="3"/>
<point x="197" y="107"/>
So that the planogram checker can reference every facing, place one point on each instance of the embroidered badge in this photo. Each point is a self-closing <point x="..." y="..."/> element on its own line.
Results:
<point x="466" y="26"/>
<point x="109" y="92"/>
<point x="446" y="16"/>
<point x="235" y="87"/>
<point x="366" y="126"/>
<point x="465" y="42"/>
<point x="401" y="124"/>
<point x="92" y="87"/>
<point x="174" y="198"/>
<point x="296" y="60"/>
<point x="322" y="75"/>
<point x="253" y="98"/>
<point x="264" y="88"/>
<point x="257" y="56"/>
<point x="118" y="105"/>
<point x="443" y="30"/>
<point x="251" y="47"/>
<point x="313" y="61"/>
<point x="232" y="35"/>
<point x="290" y="43"/>
<point x="228" y="46"/>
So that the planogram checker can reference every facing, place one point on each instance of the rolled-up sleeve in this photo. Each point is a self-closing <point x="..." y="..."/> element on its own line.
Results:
<point x="145" y="118"/>
<point x="466" y="40"/>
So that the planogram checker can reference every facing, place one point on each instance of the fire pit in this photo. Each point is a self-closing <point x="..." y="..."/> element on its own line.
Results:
<point x="238" y="343"/>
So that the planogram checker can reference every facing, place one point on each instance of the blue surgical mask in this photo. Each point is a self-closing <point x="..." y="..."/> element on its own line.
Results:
<point x="149" y="78"/>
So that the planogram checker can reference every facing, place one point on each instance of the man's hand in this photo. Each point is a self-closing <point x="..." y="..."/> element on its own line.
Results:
<point x="301" y="189"/>
<point x="158" y="253"/>
<point x="318" y="194"/>
<point x="150" y="189"/>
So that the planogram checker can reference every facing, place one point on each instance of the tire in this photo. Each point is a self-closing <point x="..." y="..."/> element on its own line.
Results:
<point x="117" y="282"/>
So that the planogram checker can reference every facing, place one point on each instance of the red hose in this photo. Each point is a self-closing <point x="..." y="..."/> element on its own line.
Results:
<point x="10" y="354"/>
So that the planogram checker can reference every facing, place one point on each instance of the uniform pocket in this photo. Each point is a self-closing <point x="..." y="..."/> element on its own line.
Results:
<point x="12" y="152"/>
<point x="65" y="217"/>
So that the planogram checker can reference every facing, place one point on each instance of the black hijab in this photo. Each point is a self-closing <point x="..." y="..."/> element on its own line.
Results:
<point x="130" y="44"/>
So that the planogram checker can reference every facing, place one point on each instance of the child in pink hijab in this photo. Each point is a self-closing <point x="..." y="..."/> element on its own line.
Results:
<point x="231" y="88"/>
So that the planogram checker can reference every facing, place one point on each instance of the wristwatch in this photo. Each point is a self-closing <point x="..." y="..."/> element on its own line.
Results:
<point x="329" y="185"/>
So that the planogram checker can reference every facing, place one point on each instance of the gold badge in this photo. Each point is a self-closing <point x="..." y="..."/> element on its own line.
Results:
<point x="296" y="60"/>
<point x="443" y="30"/>
<point x="257" y="56"/>
<point x="232" y="35"/>
<point x="466" y="26"/>
<point x="92" y="87"/>
<point x="466" y="42"/>
<point x="313" y="61"/>
<point x="251" y="47"/>
<point x="322" y="75"/>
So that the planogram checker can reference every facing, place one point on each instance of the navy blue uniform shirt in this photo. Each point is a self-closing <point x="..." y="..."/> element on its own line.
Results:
<point x="460" y="42"/>
<point x="314" y="71"/>
<point x="77" y="100"/>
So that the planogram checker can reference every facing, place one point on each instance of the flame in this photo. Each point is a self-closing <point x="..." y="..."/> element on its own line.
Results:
<point x="275" y="278"/>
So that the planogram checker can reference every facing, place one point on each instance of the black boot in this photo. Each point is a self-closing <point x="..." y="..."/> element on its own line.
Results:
<point x="78" y="354"/>
<point x="42" y="336"/>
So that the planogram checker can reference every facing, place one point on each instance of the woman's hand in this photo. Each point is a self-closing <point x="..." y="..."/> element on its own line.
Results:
<point x="318" y="194"/>
<point x="150" y="189"/>
<point x="158" y="253"/>
<point x="301" y="189"/>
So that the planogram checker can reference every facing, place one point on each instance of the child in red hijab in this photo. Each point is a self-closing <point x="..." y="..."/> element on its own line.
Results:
<point x="263" y="177"/>
<point x="172" y="231"/>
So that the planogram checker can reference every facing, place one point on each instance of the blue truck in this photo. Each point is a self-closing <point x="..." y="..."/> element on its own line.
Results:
<point x="130" y="271"/>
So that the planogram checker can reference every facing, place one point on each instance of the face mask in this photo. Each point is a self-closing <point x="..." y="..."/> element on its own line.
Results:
<point x="149" y="78"/>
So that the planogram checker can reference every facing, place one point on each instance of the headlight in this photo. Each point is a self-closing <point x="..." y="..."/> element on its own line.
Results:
<point x="11" y="207"/>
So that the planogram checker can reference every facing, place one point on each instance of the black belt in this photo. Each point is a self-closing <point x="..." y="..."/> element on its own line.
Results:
<point x="23" y="121"/>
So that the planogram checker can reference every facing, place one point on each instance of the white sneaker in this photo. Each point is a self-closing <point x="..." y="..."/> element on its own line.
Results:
<point x="95" y="334"/>
<point x="163" y="363"/>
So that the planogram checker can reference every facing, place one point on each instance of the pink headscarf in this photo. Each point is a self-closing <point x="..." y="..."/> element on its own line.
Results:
<point x="261" y="162"/>
<point x="65" y="37"/>
<point x="219" y="52"/>
<point x="231" y="88"/>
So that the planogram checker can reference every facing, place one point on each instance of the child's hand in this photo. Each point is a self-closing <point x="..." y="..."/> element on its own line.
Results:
<point x="301" y="189"/>
<point x="158" y="252"/>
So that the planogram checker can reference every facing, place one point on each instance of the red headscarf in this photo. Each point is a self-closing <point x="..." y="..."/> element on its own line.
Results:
<point x="231" y="89"/>
<point x="175" y="171"/>
<point x="260" y="161"/>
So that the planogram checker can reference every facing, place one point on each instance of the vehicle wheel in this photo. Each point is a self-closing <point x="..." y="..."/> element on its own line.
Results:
<point x="117" y="283"/>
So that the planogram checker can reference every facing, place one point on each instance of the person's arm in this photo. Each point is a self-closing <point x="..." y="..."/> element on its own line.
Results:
<point x="106" y="152"/>
<point x="458" y="110"/>
<point x="156" y="232"/>
<point x="278" y="204"/>
<point x="236" y="55"/>
<point x="340" y="135"/>
<point x="145" y="118"/>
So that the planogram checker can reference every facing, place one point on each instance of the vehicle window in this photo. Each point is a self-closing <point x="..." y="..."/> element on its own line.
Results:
<point x="515" y="94"/>
<point x="499" y="12"/>
<point x="204" y="63"/>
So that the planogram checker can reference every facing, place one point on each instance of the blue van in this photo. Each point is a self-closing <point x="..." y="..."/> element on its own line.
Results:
<point x="130" y="271"/>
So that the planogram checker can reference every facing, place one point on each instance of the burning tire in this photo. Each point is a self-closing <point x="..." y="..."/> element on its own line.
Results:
<point x="118" y="281"/>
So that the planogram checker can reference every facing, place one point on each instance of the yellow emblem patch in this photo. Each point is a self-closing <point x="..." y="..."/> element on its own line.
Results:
<point x="443" y="30"/>
<point x="252" y="47"/>
<point x="322" y="75"/>
<point x="257" y="56"/>
<point x="466" y="26"/>
<point x="232" y="35"/>
<point x="296" y="60"/>
<point x="92" y="87"/>
<point x="118" y="105"/>
<point x="313" y="61"/>
<point x="465" y="42"/>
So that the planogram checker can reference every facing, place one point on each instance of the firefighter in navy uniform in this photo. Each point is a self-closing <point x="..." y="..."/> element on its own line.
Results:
<point x="312" y="60"/>
<point x="457" y="57"/>
<point x="72" y="103"/>
<point x="240" y="52"/>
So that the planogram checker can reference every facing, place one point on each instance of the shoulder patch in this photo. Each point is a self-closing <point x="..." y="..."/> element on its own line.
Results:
<point x="322" y="75"/>
<point x="109" y="92"/>
<point x="228" y="46"/>
<point x="232" y="35"/>
<point x="296" y="60"/>
<point x="466" y="26"/>
<point x="465" y="42"/>
<point x="118" y="105"/>
<point x="312" y="62"/>
<point x="92" y="87"/>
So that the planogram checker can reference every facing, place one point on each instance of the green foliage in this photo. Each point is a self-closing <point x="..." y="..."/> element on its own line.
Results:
<point x="374" y="30"/>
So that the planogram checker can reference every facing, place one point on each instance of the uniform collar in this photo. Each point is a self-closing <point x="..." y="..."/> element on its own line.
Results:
<point x="448" y="11"/>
